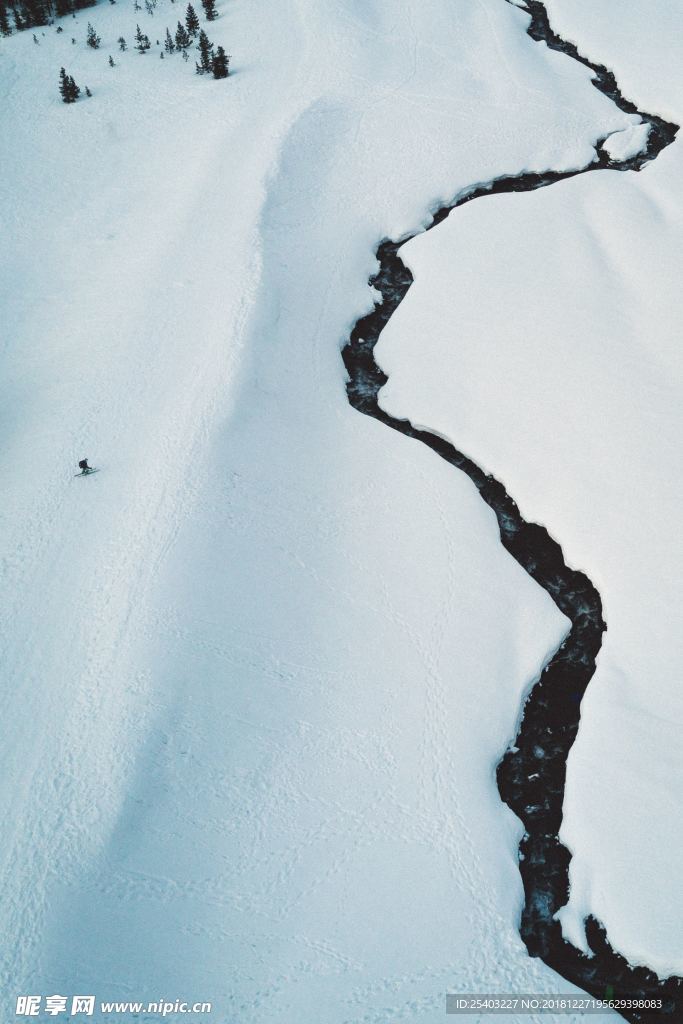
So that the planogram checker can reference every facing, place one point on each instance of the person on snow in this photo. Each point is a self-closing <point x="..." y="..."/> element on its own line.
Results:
<point x="83" y="466"/>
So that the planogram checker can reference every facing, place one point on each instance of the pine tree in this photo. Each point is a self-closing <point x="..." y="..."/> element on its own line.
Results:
<point x="112" y="62"/>
<point x="169" y="45"/>
<point x="64" y="86"/>
<point x="191" y="20"/>
<point x="142" y="43"/>
<point x="93" y="40"/>
<point x="210" y="9"/>
<point x="5" y="29"/>
<point x="68" y="89"/>
<point x="122" y="44"/>
<point x="220" y="64"/>
<point x="182" y="37"/>
<point x="205" y="54"/>
<point x="87" y="91"/>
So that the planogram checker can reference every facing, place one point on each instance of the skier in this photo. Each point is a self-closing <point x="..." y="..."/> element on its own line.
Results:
<point x="84" y="467"/>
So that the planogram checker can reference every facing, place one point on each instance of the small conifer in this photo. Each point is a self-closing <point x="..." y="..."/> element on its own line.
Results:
<point x="142" y="43"/>
<point x="68" y="89"/>
<point x="191" y="20"/>
<point x="92" y="39"/>
<point x="205" y="54"/>
<point x="182" y="37"/>
<point x="5" y="29"/>
<point x="220" y="65"/>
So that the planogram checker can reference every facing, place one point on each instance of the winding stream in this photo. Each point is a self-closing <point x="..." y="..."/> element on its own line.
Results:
<point x="531" y="774"/>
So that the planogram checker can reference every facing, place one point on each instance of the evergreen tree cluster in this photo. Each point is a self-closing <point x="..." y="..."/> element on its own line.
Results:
<point x="210" y="9"/>
<point x="21" y="14"/>
<point x="216" y="63"/>
<point x="68" y="89"/>
<point x="205" y="48"/>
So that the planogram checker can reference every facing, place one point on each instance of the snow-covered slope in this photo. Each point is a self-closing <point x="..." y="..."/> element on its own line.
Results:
<point x="566" y="385"/>
<point x="256" y="672"/>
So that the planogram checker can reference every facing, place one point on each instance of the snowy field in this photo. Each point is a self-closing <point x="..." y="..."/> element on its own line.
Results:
<point x="257" y="673"/>
<point x="568" y="389"/>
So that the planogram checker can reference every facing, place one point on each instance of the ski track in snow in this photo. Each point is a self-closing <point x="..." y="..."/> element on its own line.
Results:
<point x="531" y="775"/>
